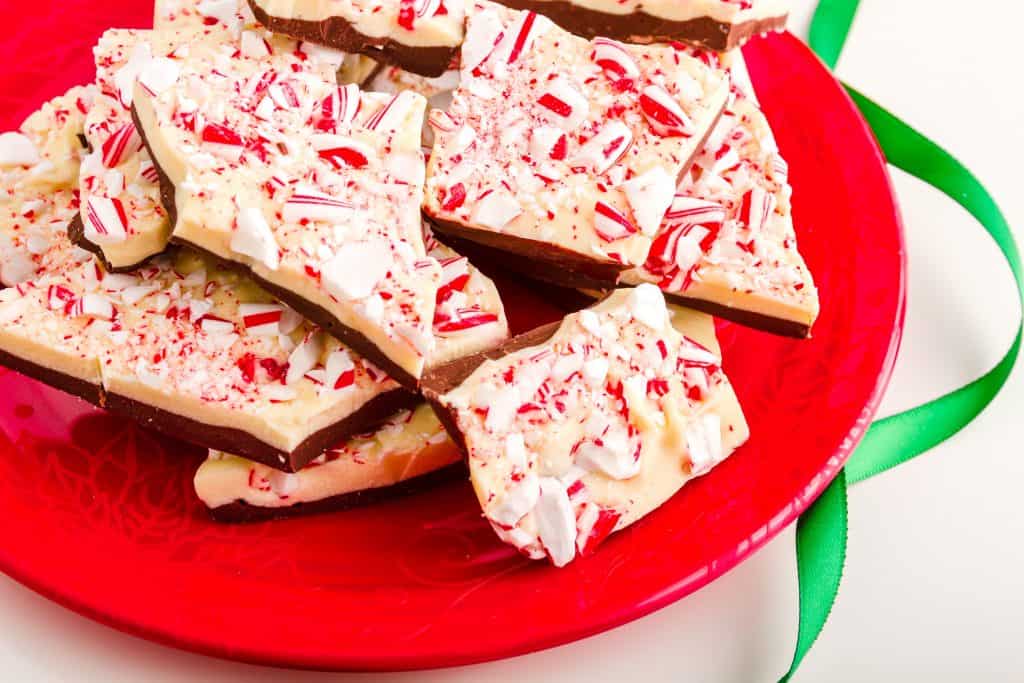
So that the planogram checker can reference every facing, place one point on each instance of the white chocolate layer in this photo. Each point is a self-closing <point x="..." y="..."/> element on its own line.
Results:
<point x="732" y="241"/>
<point x="588" y="432"/>
<point x="565" y="141"/>
<point x="410" y="445"/>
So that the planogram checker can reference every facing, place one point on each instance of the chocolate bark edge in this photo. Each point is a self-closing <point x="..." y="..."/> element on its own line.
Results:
<point x="538" y="260"/>
<point x="240" y="512"/>
<point x="758" y="321"/>
<point x="242" y="443"/>
<point x="313" y="312"/>
<point x="69" y="384"/>
<point x="229" y="439"/>
<point x="76" y="234"/>
<point x="440" y="380"/>
<point x="640" y="27"/>
<point x="337" y="33"/>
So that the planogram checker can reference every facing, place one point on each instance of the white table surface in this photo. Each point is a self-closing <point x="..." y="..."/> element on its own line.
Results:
<point x="934" y="582"/>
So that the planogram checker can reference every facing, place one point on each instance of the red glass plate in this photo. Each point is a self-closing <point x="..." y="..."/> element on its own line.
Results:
<point x="100" y="515"/>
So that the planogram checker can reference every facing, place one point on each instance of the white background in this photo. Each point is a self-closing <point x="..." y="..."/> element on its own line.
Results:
<point x="934" y="581"/>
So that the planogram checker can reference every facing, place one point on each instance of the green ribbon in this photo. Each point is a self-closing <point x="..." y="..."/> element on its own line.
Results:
<point x="821" y="531"/>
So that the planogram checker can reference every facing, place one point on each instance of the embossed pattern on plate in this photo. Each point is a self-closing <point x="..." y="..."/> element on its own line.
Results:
<point x="100" y="516"/>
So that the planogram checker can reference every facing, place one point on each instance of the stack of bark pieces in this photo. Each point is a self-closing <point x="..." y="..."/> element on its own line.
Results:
<point x="251" y="233"/>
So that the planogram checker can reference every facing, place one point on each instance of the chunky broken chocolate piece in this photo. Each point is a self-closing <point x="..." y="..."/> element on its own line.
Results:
<point x="312" y="188"/>
<point x="713" y="24"/>
<point x="422" y="36"/>
<point x="727" y="244"/>
<point x="579" y="429"/>
<point x="562" y="150"/>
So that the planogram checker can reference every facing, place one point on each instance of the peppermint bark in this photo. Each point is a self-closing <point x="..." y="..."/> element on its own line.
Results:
<point x="123" y="221"/>
<point x="727" y="244"/>
<point x="581" y="429"/>
<point x="565" y="150"/>
<point x="312" y="188"/>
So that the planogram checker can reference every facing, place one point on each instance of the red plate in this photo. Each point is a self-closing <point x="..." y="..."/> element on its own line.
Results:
<point x="100" y="516"/>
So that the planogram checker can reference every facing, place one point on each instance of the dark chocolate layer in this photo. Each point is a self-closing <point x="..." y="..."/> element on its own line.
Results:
<point x="76" y="233"/>
<point x="239" y="442"/>
<point x="337" y="33"/>
<point x="229" y="439"/>
<point x="640" y="27"/>
<point x="317" y="314"/>
<point x="241" y="512"/>
<point x="439" y="381"/>
<point x="758" y="321"/>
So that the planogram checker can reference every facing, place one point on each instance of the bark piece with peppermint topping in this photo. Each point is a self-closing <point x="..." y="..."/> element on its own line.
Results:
<point x="579" y="429"/>
<point x="727" y="245"/>
<point x="563" y="150"/>
<point x="312" y="188"/>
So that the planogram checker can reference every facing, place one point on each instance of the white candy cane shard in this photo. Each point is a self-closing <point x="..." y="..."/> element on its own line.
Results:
<point x="105" y="221"/>
<point x="158" y="75"/>
<point x="496" y="209"/>
<point x="92" y="305"/>
<point x="704" y="441"/>
<point x="17" y="150"/>
<point x="520" y="498"/>
<point x="304" y="357"/>
<point x="605" y="149"/>
<point x="664" y="114"/>
<point x="308" y="204"/>
<point x="356" y="269"/>
<point x="254" y="238"/>
<point x="556" y="521"/>
<point x="647" y="305"/>
<point x="483" y="34"/>
<point x="650" y="196"/>
<point x="548" y="142"/>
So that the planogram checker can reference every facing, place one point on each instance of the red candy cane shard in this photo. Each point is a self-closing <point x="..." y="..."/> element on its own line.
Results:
<point x="610" y="224"/>
<point x="125" y="141"/>
<point x="664" y="114"/>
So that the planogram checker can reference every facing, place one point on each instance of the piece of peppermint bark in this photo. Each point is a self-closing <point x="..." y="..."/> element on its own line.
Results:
<point x="313" y="188"/>
<point x="579" y="429"/>
<point x="565" y="152"/>
<point x="727" y="244"/>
